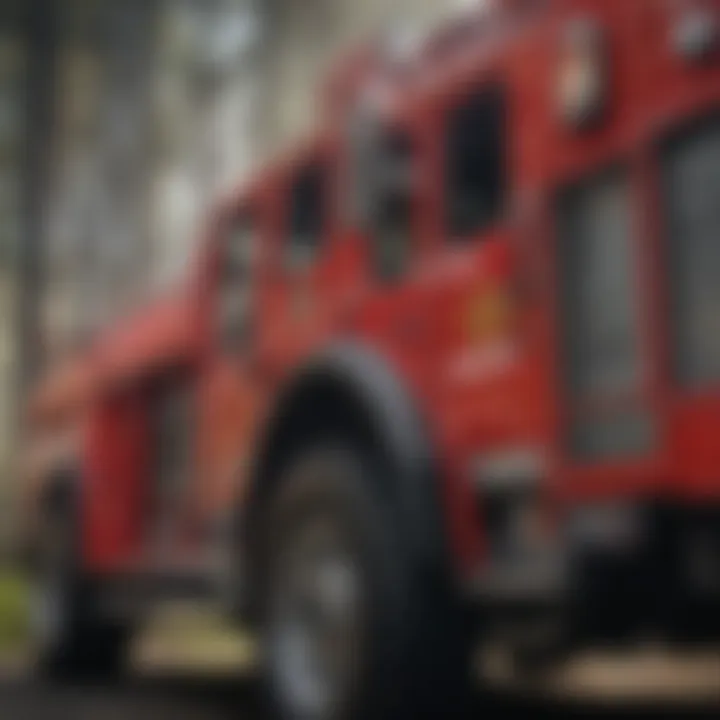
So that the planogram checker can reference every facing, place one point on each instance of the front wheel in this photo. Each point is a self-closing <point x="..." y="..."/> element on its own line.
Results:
<point x="352" y="628"/>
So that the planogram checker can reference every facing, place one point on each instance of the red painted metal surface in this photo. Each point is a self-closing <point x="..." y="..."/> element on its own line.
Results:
<point x="162" y="333"/>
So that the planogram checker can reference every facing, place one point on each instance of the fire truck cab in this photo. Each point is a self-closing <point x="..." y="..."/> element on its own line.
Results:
<point x="447" y="372"/>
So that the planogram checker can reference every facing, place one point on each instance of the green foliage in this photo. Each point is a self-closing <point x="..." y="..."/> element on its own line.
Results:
<point x="13" y="611"/>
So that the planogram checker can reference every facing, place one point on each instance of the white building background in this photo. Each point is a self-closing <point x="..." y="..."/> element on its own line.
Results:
<point x="166" y="104"/>
<point x="159" y="106"/>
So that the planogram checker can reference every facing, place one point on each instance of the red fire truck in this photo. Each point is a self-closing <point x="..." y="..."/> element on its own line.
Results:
<point x="447" y="374"/>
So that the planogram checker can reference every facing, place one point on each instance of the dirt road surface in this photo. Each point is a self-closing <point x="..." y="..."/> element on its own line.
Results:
<point x="187" y="669"/>
<point x="188" y="697"/>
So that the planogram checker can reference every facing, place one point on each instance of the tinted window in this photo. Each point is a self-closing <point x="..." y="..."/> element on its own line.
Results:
<point x="600" y="320"/>
<point x="623" y="433"/>
<point x="306" y="217"/>
<point x="598" y="271"/>
<point x="391" y="233"/>
<point x="692" y="201"/>
<point x="475" y="163"/>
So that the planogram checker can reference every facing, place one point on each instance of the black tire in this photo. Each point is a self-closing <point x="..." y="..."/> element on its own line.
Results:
<point x="408" y="655"/>
<point x="72" y="640"/>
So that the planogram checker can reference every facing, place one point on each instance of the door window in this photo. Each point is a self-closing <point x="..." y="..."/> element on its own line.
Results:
<point x="475" y="173"/>
<point x="391" y="232"/>
<point x="307" y="216"/>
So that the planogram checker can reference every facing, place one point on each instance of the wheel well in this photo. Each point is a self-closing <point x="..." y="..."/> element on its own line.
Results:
<point x="318" y="408"/>
<point x="372" y="411"/>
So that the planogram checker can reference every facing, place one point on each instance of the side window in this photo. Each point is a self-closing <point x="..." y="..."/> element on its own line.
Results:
<point x="381" y="191"/>
<point x="391" y="231"/>
<point x="235" y="287"/>
<point x="600" y="316"/>
<point x="475" y="172"/>
<point x="691" y="184"/>
<point x="307" y="214"/>
<point x="598" y="280"/>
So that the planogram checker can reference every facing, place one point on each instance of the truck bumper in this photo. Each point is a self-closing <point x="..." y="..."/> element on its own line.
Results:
<point x="619" y="573"/>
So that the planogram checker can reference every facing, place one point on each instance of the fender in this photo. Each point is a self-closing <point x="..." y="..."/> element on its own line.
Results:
<point x="364" y="389"/>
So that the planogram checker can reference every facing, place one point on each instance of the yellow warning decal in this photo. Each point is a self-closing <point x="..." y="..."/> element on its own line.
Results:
<point x="491" y="315"/>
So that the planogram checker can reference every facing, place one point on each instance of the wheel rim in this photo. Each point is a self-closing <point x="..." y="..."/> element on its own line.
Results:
<point x="315" y="627"/>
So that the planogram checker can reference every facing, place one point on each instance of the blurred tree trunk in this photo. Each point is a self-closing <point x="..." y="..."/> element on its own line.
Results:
<point x="40" y="31"/>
